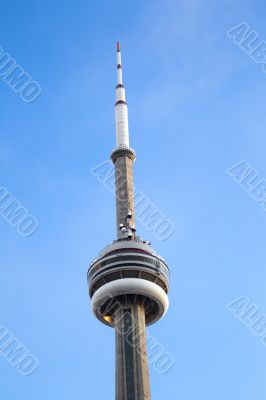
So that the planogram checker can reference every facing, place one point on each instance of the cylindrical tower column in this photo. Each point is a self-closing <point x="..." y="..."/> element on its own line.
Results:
<point x="132" y="374"/>
<point x="123" y="160"/>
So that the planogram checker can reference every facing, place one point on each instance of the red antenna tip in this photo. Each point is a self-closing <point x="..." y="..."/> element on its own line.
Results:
<point x="118" y="46"/>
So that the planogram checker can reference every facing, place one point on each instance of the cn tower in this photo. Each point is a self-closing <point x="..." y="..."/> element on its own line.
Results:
<point x="129" y="281"/>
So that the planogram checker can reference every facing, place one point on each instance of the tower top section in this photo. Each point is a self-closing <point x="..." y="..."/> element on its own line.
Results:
<point x="121" y="112"/>
<point x="119" y="64"/>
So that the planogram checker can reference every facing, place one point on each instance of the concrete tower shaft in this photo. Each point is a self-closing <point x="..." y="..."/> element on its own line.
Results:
<point x="132" y="373"/>
<point x="123" y="160"/>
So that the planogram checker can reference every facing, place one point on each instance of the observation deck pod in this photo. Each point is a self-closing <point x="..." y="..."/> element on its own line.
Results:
<point x="126" y="271"/>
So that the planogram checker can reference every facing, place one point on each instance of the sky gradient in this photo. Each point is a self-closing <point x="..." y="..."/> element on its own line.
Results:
<point x="196" y="108"/>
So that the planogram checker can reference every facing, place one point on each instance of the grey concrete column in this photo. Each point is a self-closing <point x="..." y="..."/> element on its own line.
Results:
<point x="132" y="374"/>
<point x="124" y="189"/>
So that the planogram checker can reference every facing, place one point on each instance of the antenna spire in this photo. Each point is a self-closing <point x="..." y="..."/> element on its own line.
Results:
<point x="121" y="113"/>
<point x="119" y="64"/>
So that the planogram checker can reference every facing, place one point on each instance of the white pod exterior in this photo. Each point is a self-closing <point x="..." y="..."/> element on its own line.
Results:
<point x="128" y="286"/>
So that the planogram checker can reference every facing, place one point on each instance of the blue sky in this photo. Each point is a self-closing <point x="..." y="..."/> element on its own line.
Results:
<point x="196" y="108"/>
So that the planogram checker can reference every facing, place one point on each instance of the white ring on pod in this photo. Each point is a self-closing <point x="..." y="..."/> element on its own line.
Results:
<point x="130" y="286"/>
